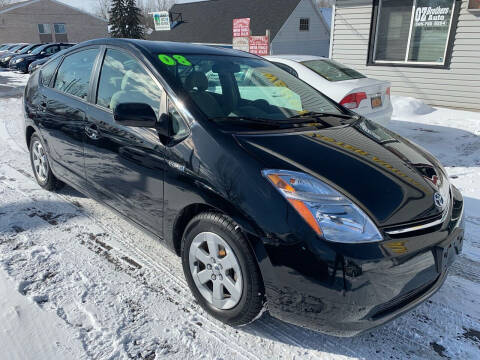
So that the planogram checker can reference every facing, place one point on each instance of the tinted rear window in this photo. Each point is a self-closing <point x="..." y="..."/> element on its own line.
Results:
<point x="73" y="75"/>
<point x="332" y="70"/>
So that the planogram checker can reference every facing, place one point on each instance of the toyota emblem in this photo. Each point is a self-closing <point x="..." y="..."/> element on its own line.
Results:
<point x="438" y="200"/>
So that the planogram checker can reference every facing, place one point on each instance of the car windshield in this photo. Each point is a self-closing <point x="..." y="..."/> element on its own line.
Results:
<point x="15" y="48"/>
<point x="38" y="50"/>
<point x="26" y="49"/>
<point x="235" y="87"/>
<point x="332" y="70"/>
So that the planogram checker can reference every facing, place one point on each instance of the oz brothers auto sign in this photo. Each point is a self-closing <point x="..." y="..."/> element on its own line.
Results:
<point x="429" y="16"/>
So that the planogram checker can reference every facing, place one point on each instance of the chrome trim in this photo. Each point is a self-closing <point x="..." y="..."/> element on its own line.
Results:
<point x="415" y="228"/>
<point x="445" y="213"/>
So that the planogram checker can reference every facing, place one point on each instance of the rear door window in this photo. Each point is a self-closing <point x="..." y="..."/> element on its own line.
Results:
<point x="47" y="72"/>
<point x="332" y="70"/>
<point x="123" y="79"/>
<point x="73" y="76"/>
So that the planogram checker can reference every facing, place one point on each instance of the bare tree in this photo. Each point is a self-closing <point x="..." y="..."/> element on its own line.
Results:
<point x="156" y="5"/>
<point x="5" y="3"/>
<point x="102" y="8"/>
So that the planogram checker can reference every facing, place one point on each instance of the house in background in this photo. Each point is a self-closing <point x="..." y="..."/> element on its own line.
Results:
<point x="428" y="49"/>
<point x="296" y="26"/>
<point x="48" y="21"/>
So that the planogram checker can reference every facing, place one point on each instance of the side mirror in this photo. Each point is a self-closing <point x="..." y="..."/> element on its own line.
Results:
<point x="135" y="115"/>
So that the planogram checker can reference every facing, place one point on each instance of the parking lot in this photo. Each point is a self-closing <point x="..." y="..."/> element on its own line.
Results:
<point x="80" y="282"/>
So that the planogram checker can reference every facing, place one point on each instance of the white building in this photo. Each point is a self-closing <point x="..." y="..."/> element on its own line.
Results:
<point x="428" y="49"/>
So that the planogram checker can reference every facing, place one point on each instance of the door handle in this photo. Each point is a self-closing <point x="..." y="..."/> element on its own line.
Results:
<point x="43" y="105"/>
<point x="92" y="132"/>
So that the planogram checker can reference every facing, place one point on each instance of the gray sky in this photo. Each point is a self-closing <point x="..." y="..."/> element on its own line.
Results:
<point x="88" y="5"/>
<point x="91" y="5"/>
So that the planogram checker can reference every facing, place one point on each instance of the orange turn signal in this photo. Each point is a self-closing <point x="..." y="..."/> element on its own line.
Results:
<point x="304" y="212"/>
<point x="280" y="183"/>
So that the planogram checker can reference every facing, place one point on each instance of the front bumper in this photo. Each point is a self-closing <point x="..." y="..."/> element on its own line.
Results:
<point x="4" y="63"/>
<point x="345" y="289"/>
<point x="22" y="66"/>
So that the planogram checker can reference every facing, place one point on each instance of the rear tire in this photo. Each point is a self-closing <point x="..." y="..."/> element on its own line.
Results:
<point x="234" y="293"/>
<point x="41" y="167"/>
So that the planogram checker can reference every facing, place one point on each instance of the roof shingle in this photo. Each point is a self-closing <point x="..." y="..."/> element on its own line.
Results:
<point x="211" y="21"/>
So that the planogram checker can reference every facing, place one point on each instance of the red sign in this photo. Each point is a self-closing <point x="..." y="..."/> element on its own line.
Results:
<point x="259" y="45"/>
<point x="241" y="27"/>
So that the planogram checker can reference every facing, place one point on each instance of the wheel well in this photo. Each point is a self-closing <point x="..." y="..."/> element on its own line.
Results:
<point x="29" y="133"/>
<point x="186" y="215"/>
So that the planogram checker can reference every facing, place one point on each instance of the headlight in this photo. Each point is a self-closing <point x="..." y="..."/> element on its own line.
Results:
<point x="8" y="58"/>
<point x="329" y="213"/>
<point x="18" y="61"/>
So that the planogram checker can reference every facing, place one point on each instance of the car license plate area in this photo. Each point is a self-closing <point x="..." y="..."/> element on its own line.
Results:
<point x="376" y="101"/>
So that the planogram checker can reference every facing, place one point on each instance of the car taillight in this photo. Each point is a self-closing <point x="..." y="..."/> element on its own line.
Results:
<point x="388" y="91"/>
<point x="352" y="101"/>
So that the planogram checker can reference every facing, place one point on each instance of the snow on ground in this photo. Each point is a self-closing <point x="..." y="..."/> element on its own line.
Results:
<point x="11" y="83"/>
<point x="79" y="282"/>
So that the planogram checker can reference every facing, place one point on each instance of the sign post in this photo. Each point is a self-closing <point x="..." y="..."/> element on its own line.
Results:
<point x="259" y="45"/>
<point x="241" y="43"/>
<point x="241" y="27"/>
<point x="161" y="20"/>
<point x="241" y="33"/>
<point x="243" y="40"/>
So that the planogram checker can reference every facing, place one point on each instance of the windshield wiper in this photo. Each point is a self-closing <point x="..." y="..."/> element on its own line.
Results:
<point x="253" y="122"/>
<point x="314" y="114"/>
<point x="246" y="119"/>
<point x="307" y="118"/>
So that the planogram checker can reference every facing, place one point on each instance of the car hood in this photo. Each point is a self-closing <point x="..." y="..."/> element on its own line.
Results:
<point x="24" y="56"/>
<point x="5" y="55"/>
<point x="392" y="179"/>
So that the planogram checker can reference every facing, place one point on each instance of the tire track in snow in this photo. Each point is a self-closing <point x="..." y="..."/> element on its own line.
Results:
<point x="180" y="293"/>
<point x="217" y="330"/>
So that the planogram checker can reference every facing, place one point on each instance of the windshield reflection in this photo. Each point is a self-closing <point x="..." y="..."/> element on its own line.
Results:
<point x="224" y="87"/>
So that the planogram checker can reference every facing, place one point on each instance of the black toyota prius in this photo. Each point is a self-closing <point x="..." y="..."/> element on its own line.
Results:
<point x="274" y="196"/>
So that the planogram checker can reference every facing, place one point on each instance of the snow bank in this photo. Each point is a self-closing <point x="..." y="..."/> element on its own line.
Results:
<point x="405" y="106"/>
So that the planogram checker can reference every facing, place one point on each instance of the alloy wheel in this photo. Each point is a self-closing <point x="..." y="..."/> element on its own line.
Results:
<point x="40" y="162"/>
<point x="215" y="270"/>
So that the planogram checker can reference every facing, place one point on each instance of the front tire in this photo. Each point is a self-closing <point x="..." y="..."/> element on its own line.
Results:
<point x="221" y="269"/>
<point x="41" y="167"/>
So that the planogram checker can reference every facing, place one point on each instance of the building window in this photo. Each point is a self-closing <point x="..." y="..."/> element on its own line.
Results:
<point x="413" y="32"/>
<point x="44" y="29"/>
<point x="59" y="28"/>
<point x="304" y="24"/>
